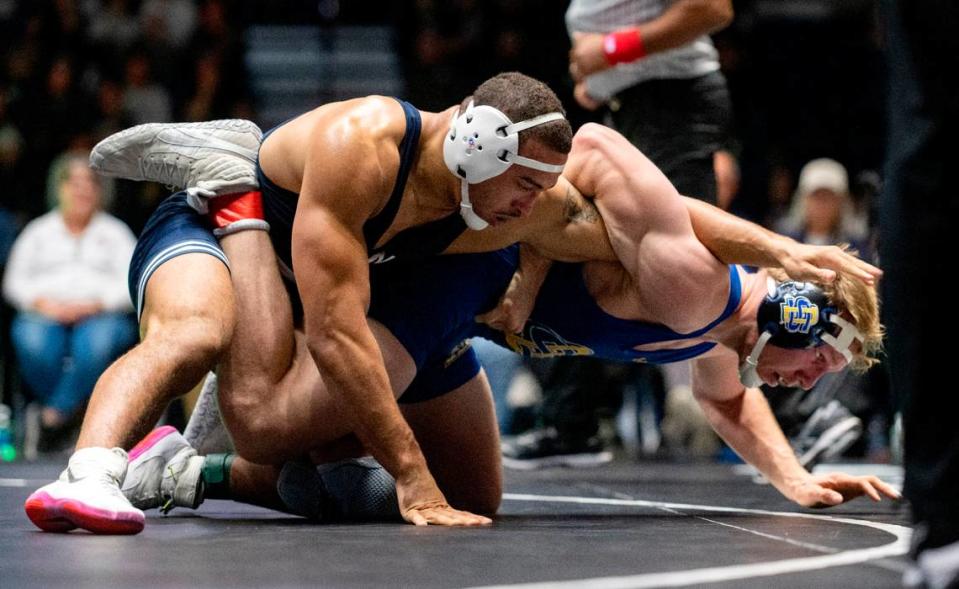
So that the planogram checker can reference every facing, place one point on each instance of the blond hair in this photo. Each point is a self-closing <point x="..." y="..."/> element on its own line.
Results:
<point x="859" y="302"/>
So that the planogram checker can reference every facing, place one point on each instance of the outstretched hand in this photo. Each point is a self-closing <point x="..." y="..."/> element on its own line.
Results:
<point x="422" y="503"/>
<point x="828" y="490"/>
<point x="821" y="263"/>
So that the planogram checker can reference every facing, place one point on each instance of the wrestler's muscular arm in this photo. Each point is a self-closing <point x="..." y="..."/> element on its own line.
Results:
<point x="604" y="164"/>
<point x="649" y="229"/>
<point x="735" y="241"/>
<point x="330" y="262"/>
<point x="742" y="417"/>
<point x="635" y="196"/>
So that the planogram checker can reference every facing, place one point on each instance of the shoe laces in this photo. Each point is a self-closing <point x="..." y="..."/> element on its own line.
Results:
<point x="168" y="498"/>
<point x="174" y="175"/>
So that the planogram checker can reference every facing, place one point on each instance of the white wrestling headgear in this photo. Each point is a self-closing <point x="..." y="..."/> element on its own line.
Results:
<point x="482" y="144"/>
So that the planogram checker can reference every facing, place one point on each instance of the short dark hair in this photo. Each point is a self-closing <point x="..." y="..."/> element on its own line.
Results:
<point x="521" y="97"/>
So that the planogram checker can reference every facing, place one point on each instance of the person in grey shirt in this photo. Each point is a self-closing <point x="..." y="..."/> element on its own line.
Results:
<point x="651" y="62"/>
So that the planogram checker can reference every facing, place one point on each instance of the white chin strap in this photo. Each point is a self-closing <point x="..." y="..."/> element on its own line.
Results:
<point x="747" y="373"/>
<point x="473" y="221"/>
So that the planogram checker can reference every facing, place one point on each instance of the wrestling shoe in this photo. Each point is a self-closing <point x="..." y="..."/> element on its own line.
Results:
<point x="209" y="159"/>
<point x="828" y="432"/>
<point x="543" y="448"/>
<point x="164" y="472"/>
<point x="87" y="495"/>
<point x="205" y="430"/>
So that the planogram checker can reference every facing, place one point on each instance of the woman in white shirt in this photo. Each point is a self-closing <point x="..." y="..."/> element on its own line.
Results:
<point x="66" y="278"/>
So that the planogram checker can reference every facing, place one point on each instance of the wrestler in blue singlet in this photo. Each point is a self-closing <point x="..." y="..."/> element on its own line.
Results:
<point x="567" y="321"/>
<point x="427" y="299"/>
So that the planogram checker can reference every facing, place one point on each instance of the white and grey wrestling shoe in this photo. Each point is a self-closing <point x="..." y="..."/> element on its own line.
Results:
<point x="164" y="472"/>
<point x="208" y="159"/>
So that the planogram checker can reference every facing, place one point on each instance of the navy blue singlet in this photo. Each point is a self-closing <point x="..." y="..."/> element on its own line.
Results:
<point x="279" y="208"/>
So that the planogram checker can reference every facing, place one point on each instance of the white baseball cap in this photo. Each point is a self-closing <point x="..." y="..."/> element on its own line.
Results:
<point x="823" y="173"/>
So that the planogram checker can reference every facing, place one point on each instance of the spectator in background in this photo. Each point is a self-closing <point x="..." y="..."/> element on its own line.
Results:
<point x="728" y="178"/>
<point x="208" y="99"/>
<point x="145" y="100"/>
<point x="111" y="116"/>
<point x="66" y="278"/>
<point x="653" y="64"/>
<point x="822" y="212"/>
<point x="11" y="161"/>
<point x="112" y="25"/>
<point x="176" y="18"/>
<point x="447" y="50"/>
<point x="819" y="422"/>
<point x="219" y="84"/>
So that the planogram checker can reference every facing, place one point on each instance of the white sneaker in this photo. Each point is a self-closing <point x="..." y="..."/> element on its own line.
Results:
<point x="164" y="472"/>
<point x="87" y="495"/>
<point x="210" y="158"/>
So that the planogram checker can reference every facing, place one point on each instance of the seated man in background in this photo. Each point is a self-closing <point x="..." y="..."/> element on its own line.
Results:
<point x="668" y="299"/>
<point x="66" y="278"/>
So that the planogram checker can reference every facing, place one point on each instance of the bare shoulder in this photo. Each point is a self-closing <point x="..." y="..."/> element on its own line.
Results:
<point x="596" y="136"/>
<point x="372" y="122"/>
<point x="605" y="165"/>
<point x="353" y="150"/>
<point x="563" y="225"/>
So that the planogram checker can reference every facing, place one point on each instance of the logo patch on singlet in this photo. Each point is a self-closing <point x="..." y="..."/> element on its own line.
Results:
<point x="541" y="342"/>
<point x="798" y="314"/>
<point x="380" y="258"/>
<point x="456" y="352"/>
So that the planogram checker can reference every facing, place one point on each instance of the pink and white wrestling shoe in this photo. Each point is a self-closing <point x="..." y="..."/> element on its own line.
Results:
<point x="87" y="495"/>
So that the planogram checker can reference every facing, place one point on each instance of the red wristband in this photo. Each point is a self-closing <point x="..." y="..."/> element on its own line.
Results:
<point x="623" y="46"/>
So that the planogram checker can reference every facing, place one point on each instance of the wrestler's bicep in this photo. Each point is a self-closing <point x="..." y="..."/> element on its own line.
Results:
<point x="330" y="263"/>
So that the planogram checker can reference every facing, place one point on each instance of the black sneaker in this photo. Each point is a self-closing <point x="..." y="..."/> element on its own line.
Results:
<point x="828" y="432"/>
<point x="541" y="448"/>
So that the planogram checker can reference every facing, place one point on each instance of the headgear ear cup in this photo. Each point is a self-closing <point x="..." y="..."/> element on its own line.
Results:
<point x="482" y="144"/>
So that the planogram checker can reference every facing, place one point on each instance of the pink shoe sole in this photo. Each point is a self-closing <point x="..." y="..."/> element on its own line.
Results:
<point x="63" y="515"/>
<point x="150" y="440"/>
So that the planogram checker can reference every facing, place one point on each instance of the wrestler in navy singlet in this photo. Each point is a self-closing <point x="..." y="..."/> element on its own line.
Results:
<point x="279" y="208"/>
